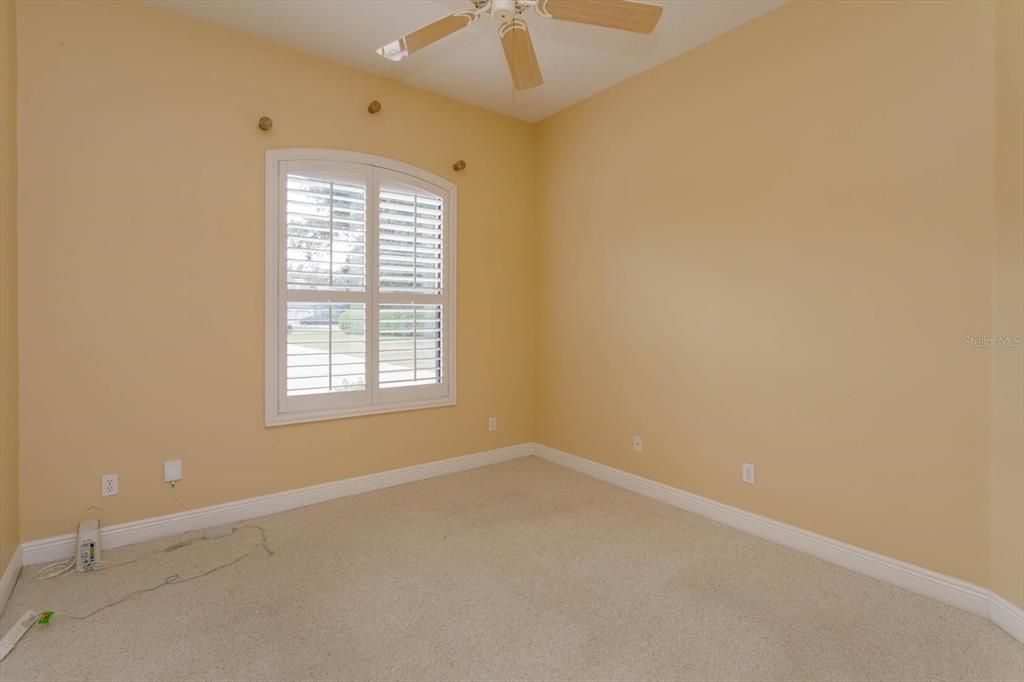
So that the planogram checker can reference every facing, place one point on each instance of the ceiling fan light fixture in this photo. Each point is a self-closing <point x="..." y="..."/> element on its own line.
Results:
<point x="503" y="10"/>
<point x="395" y="51"/>
<point x="626" y="15"/>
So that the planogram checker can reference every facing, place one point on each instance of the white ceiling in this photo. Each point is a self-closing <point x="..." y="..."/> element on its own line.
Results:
<point x="577" y="60"/>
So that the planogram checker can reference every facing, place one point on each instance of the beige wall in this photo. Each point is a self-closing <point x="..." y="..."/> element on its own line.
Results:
<point x="1008" y="309"/>
<point x="780" y="241"/>
<point x="8" y="287"/>
<point x="141" y="248"/>
<point x="777" y="247"/>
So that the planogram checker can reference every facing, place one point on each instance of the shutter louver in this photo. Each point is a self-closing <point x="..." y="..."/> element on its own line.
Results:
<point x="411" y="243"/>
<point x="411" y="345"/>
<point x="325" y="251"/>
<point x="326" y="349"/>
<point x="326" y="235"/>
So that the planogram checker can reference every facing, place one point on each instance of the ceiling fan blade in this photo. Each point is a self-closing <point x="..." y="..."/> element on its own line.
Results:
<point x="431" y="33"/>
<point x="522" y="60"/>
<point x="626" y="15"/>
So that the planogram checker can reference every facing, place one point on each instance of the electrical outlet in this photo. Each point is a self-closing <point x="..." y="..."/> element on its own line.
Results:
<point x="109" y="486"/>
<point x="748" y="474"/>
<point x="638" y="444"/>
<point x="492" y="423"/>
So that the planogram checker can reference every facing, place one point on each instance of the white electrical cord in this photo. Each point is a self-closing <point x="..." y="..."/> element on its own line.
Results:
<point x="56" y="569"/>
<point x="11" y="639"/>
<point x="193" y="511"/>
<point x="60" y="568"/>
<point x="175" y="579"/>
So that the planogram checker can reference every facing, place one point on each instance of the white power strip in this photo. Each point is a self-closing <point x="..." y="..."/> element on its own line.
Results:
<point x="16" y="632"/>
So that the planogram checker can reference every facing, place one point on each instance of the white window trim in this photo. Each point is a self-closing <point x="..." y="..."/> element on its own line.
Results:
<point x="275" y="298"/>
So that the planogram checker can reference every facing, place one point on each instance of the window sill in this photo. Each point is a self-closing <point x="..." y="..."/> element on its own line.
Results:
<point x="285" y="418"/>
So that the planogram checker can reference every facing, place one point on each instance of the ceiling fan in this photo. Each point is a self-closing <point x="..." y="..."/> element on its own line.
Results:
<point x="627" y="15"/>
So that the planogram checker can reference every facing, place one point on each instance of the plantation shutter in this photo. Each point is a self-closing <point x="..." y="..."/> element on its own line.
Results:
<point x="411" y="286"/>
<point x="362" y="302"/>
<point x="326" y="227"/>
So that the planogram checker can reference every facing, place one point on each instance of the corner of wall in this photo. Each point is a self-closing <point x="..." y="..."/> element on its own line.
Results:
<point x="9" y="493"/>
<point x="536" y="297"/>
<point x="1006" y="518"/>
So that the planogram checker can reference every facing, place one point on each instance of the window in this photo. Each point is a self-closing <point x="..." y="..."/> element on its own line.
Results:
<point x="360" y="286"/>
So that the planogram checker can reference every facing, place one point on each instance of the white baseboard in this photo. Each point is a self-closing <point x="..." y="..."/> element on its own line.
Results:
<point x="10" y="577"/>
<point x="1007" y="616"/>
<point x="914" y="578"/>
<point x="937" y="586"/>
<point x="62" y="546"/>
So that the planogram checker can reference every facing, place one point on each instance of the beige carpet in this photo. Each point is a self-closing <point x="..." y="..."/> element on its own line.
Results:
<point x="523" y="570"/>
